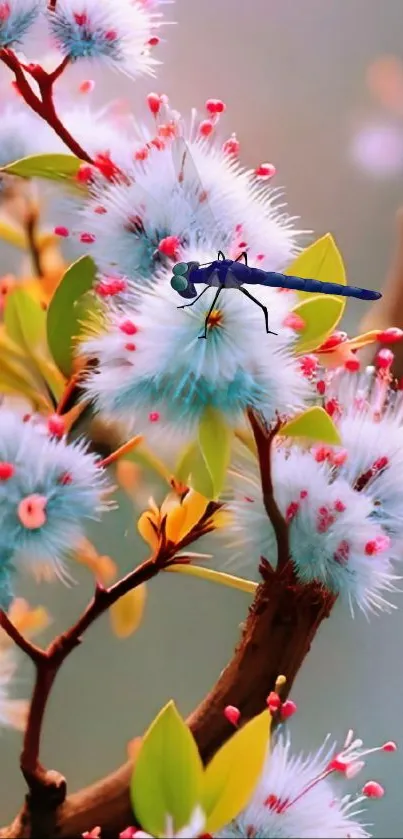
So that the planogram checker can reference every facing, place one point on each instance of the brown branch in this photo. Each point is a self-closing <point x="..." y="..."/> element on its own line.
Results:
<point x="388" y="311"/>
<point x="276" y="638"/>
<point x="31" y="223"/>
<point x="264" y="441"/>
<point x="42" y="105"/>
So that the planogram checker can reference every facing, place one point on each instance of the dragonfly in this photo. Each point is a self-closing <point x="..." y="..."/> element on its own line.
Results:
<point x="225" y="273"/>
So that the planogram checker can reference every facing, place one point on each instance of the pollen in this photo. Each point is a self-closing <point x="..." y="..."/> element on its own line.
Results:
<point x="215" y="319"/>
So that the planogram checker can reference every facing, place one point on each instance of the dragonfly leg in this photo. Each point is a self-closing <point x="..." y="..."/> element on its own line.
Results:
<point x="261" y="306"/>
<point x="245" y="257"/>
<point x="195" y="300"/>
<point x="209" y="313"/>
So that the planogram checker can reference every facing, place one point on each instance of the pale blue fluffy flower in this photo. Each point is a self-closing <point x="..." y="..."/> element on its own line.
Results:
<point x="296" y="797"/>
<point x="66" y="476"/>
<point x="117" y="33"/>
<point x="237" y="209"/>
<point x="335" y="536"/>
<point x="165" y="368"/>
<point x="16" y="19"/>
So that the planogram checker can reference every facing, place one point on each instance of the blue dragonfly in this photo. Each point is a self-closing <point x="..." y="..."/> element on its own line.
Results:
<point x="225" y="273"/>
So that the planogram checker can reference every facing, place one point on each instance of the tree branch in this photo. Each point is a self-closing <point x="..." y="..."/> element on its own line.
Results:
<point x="282" y="622"/>
<point x="42" y="105"/>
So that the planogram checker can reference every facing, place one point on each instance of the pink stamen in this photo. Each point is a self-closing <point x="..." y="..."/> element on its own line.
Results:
<point x="384" y="359"/>
<point x="154" y="103"/>
<point x="265" y="171"/>
<point x="128" y="327"/>
<point x="321" y="387"/>
<point x="130" y="347"/>
<point x="87" y="86"/>
<point x="7" y="470"/>
<point x="377" y="545"/>
<point x="215" y="106"/>
<point x="373" y="790"/>
<point x="87" y="238"/>
<point x="154" y="416"/>
<point x="291" y="511"/>
<point x="352" y="365"/>
<point x="232" y="714"/>
<point x="231" y="146"/>
<point x="80" y="19"/>
<point x="31" y="511"/>
<point x="56" y="426"/>
<point x="273" y="701"/>
<point x="205" y="128"/>
<point x="288" y="709"/>
<point x="169" y="246"/>
<point x="342" y="553"/>
<point x="64" y="232"/>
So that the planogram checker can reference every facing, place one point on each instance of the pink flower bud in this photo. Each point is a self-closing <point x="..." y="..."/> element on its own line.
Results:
<point x="232" y="714"/>
<point x="373" y="790"/>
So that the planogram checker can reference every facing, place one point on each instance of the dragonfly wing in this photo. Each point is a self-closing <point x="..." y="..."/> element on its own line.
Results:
<point x="195" y="194"/>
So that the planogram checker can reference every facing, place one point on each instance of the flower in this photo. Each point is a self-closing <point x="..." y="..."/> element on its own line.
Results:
<point x="48" y="488"/>
<point x="149" y="218"/>
<point x="296" y="797"/>
<point x="21" y="134"/>
<point x="343" y="505"/>
<point x="116" y="33"/>
<point x="16" y="19"/>
<point x="13" y="712"/>
<point x="161" y="369"/>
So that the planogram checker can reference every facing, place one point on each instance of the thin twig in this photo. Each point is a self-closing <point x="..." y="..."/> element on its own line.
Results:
<point x="264" y="442"/>
<point x="42" y="105"/>
<point x="31" y="222"/>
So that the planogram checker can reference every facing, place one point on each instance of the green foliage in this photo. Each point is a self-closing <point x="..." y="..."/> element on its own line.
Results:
<point x="320" y="261"/>
<point x="51" y="167"/>
<point x="215" y="446"/>
<point x="67" y="310"/>
<point x="321" y="315"/>
<point x="314" y="425"/>
<point x="169" y="779"/>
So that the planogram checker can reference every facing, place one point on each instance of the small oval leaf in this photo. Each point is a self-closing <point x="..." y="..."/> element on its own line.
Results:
<point x="321" y="314"/>
<point x="315" y="425"/>
<point x="65" y="315"/>
<point x="215" y="446"/>
<point x="168" y="774"/>
<point x="53" y="167"/>
<point x="127" y="613"/>
<point x="320" y="261"/>
<point x="234" y="772"/>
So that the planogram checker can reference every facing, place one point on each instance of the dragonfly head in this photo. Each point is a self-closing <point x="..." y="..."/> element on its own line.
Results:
<point x="180" y="281"/>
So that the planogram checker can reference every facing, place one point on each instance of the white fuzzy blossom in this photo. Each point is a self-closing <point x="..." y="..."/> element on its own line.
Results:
<point x="151" y="361"/>
<point x="116" y="33"/>
<point x="296" y="795"/>
<point x="343" y="505"/>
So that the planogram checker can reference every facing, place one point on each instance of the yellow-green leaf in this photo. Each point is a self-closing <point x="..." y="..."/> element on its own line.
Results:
<point x="191" y="470"/>
<point x="215" y="446"/>
<point x="234" y="772"/>
<point x="53" y="167"/>
<point x="13" y="235"/>
<point x="321" y="314"/>
<point x="127" y="613"/>
<point x="65" y="312"/>
<point x="25" y="321"/>
<point x="314" y="424"/>
<point x="320" y="261"/>
<point x="168" y="774"/>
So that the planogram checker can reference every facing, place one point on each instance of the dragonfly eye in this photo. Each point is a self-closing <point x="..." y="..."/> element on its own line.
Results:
<point x="180" y="268"/>
<point x="179" y="283"/>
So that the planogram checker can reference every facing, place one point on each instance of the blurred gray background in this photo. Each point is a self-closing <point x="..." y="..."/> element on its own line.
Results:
<point x="310" y="87"/>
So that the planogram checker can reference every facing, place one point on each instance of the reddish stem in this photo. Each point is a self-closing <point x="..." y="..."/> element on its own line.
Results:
<point x="43" y="105"/>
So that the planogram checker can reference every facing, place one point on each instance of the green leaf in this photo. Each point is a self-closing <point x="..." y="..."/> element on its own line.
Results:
<point x="145" y="458"/>
<point x="314" y="424"/>
<point x="234" y="772"/>
<point x="320" y="261"/>
<point x="53" y="167"/>
<point x="25" y="321"/>
<point x="321" y="314"/>
<point x="66" y="311"/>
<point x="192" y="470"/>
<point x="215" y="445"/>
<point x="168" y="774"/>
